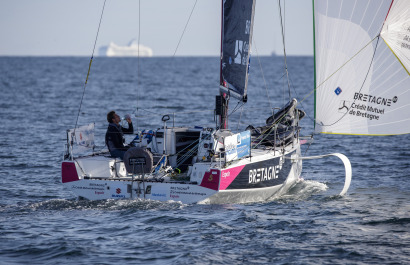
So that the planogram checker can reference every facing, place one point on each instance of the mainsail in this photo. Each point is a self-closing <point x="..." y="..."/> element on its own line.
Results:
<point x="362" y="84"/>
<point x="237" y="22"/>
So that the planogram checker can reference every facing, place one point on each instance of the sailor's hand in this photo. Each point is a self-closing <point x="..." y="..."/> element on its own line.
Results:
<point x="128" y="118"/>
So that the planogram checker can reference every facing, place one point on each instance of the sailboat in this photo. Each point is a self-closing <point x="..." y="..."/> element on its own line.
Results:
<point x="218" y="165"/>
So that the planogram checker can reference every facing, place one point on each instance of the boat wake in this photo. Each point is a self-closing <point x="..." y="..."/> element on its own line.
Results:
<point x="302" y="190"/>
<point x="100" y="205"/>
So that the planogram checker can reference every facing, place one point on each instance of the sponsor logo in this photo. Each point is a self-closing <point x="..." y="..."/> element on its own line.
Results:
<point x="366" y="111"/>
<point x="211" y="176"/>
<point x="265" y="173"/>
<point x="343" y="106"/>
<point x="229" y="147"/>
<point x="98" y="185"/>
<point x="118" y="195"/>
<point x="374" y="99"/>
<point x="226" y="174"/>
<point x="248" y="27"/>
<point x="241" y="50"/>
<point x="91" y="187"/>
<point x="361" y="108"/>
<point x="159" y="194"/>
<point x="338" y="90"/>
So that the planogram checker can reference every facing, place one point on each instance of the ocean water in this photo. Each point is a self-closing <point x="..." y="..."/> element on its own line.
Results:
<point x="42" y="223"/>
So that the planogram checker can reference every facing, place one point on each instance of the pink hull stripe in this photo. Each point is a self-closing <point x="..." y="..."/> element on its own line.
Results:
<point x="68" y="172"/>
<point x="228" y="175"/>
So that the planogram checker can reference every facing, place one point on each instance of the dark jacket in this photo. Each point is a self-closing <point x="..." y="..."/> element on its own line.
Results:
<point x="114" y="137"/>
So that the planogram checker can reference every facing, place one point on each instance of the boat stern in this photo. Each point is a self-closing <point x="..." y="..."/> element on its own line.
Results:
<point x="68" y="172"/>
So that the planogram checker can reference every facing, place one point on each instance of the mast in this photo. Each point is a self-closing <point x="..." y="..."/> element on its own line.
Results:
<point x="314" y="65"/>
<point x="222" y="101"/>
<point x="236" y="36"/>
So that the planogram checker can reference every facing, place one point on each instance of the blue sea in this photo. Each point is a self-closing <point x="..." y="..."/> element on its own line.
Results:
<point x="43" y="223"/>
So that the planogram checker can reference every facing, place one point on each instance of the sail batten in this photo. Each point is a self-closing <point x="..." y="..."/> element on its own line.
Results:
<point x="361" y="80"/>
<point x="237" y="28"/>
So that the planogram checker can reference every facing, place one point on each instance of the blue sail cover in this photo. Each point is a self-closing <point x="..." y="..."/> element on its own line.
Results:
<point x="237" y="26"/>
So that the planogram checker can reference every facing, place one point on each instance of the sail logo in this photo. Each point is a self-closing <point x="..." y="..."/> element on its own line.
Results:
<point x="248" y="27"/>
<point x="241" y="50"/>
<point x="338" y="90"/>
<point x="374" y="99"/>
<point x="238" y="52"/>
<point x="343" y="107"/>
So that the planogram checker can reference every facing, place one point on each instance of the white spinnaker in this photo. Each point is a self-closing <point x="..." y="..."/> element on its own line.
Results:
<point x="396" y="31"/>
<point x="361" y="86"/>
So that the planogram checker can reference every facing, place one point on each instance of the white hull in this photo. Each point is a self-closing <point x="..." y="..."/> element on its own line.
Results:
<point x="257" y="178"/>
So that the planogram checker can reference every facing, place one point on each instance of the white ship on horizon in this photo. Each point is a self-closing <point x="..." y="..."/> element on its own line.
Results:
<point x="131" y="50"/>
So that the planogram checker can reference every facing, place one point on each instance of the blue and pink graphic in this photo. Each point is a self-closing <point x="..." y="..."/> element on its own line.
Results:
<point x="338" y="90"/>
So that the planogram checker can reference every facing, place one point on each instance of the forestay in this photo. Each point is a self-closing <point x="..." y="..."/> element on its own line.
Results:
<point x="237" y="21"/>
<point x="361" y="86"/>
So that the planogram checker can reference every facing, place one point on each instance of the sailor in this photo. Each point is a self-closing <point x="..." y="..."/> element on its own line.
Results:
<point x="114" y="137"/>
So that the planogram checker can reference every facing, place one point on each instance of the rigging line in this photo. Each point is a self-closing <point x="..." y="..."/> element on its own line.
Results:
<point x="296" y="93"/>
<point x="156" y="114"/>
<point x="364" y="81"/>
<point x="270" y="128"/>
<point x="281" y="77"/>
<point x="194" y="149"/>
<point x="187" y="155"/>
<point x="194" y="111"/>
<point x="138" y="64"/>
<point x="89" y="67"/>
<point x="236" y="108"/>
<point x="284" y="48"/>
<point x="263" y="76"/>
<point x="337" y="70"/>
<point x="196" y="142"/>
<point x="302" y="107"/>
<point x="284" y="18"/>
<point x="240" y="118"/>
<point x="186" y="25"/>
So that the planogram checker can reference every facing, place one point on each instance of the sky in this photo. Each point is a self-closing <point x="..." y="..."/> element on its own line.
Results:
<point x="69" y="27"/>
